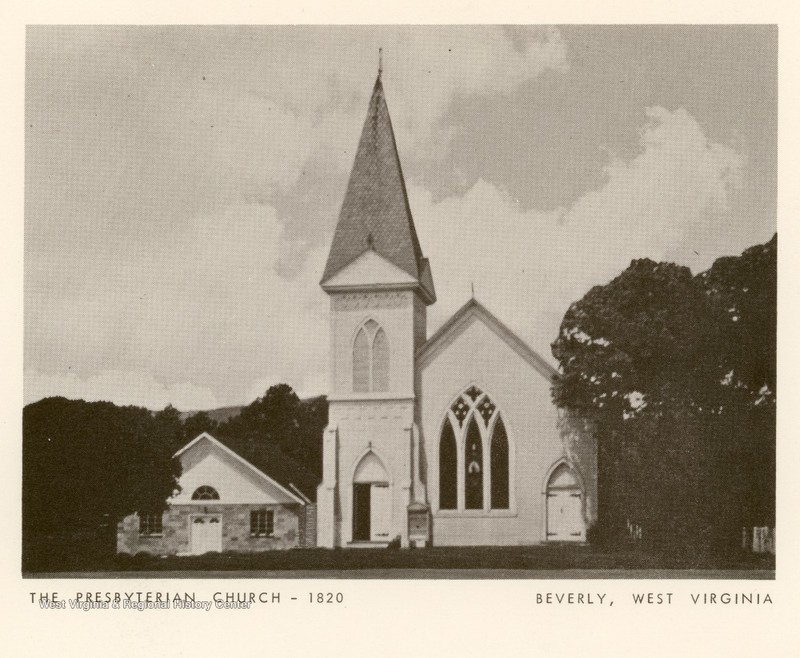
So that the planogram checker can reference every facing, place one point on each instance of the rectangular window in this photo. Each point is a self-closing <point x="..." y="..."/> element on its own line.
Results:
<point x="151" y="524"/>
<point x="262" y="523"/>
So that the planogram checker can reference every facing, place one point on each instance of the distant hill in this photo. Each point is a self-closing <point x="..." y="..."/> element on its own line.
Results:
<point x="220" y="415"/>
<point x="224" y="413"/>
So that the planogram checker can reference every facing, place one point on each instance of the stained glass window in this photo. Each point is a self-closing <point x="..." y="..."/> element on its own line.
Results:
<point x="448" y="465"/>
<point x="473" y="468"/>
<point x="473" y="392"/>
<point x="460" y="409"/>
<point x="499" y="466"/>
<point x="486" y="408"/>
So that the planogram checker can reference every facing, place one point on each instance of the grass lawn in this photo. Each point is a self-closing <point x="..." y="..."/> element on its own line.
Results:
<point x="508" y="558"/>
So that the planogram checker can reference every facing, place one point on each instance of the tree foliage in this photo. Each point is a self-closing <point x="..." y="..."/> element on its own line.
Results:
<point x="282" y="435"/>
<point x="87" y="464"/>
<point x="678" y="375"/>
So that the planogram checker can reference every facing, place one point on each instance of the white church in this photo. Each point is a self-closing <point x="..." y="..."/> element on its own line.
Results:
<point x="446" y="440"/>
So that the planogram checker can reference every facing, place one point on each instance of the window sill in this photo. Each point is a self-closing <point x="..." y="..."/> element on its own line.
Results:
<point x="262" y="536"/>
<point x="152" y="535"/>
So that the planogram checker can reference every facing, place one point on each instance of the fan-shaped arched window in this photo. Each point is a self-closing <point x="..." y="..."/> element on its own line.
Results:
<point x="205" y="493"/>
<point x="370" y="359"/>
<point x="499" y="462"/>
<point x="448" y="468"/>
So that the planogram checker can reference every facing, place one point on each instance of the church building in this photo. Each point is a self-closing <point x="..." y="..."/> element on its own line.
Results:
<point x="451" y="439"/>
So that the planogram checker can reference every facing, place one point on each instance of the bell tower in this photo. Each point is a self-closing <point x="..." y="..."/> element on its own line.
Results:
<point x="380" y="286"/>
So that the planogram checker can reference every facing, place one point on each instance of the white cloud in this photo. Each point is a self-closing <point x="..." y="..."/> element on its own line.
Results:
<point x="528" y="266"/>
<point x="123" y="388"/>
<point x="214" y="311"/>
<point x="479" y="60"/>
<point x="218" y="311"/>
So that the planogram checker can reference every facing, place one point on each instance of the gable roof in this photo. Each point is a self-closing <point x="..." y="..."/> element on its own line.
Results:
<point x="369" y="269"/>
<point x="260" y="474"/>
<point x="459" y="322"/>
<point x="375" y="213"/>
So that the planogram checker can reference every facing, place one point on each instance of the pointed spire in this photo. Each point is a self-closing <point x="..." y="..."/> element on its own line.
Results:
<point x="380" y="62"/>
<point x="375" y="213"/>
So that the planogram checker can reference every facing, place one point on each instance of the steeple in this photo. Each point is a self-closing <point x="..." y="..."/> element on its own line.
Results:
<point x="375" y="214"/>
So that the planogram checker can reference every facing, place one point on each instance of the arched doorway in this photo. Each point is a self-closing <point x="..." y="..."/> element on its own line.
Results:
<point x="565" y="505"/>
<point x="372" y="500"/>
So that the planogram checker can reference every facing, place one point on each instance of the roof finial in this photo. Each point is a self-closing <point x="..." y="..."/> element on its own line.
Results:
<point x="472" y="286"/>
<point x="380" y="62"/>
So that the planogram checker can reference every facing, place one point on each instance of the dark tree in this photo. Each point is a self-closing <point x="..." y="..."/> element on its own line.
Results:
<point x="196" y="424"/>
<point x="87" y="464"/>
<point x="677" y="373"/>
<point x="281" y="435"/>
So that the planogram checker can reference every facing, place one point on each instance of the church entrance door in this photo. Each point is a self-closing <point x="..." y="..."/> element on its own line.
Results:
<point x="372" y="511"/>
<point x="372" y="501"/>
<point x="565" y="507"/>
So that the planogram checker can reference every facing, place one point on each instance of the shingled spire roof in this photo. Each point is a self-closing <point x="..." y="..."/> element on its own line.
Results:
<point x="375" y="213"/>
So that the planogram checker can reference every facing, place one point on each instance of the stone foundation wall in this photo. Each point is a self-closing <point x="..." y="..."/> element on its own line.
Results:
<point x="235" y="530"/>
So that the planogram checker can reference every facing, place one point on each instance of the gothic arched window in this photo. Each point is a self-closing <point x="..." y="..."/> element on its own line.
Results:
<point x="472" y="423"/>
<point x="370" y="359"/>
<point x="448" y="468"/>
<point x="380" y="362"/>
<point x="473" y="467"/>
<point x="361" y="362"/>
<point x="499" y="465"/>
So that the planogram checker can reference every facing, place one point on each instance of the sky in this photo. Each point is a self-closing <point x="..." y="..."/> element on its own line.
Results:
<point x="182" y="184"/>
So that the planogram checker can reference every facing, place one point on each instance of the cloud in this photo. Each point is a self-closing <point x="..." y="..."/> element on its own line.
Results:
<point x="195" y="175"/>
<point x="121" y="387"/>
<point x="218" y="311"/>
<point x="211" y="310"/>
<point x="440" y="66"/>
<point x="528" y="266"/>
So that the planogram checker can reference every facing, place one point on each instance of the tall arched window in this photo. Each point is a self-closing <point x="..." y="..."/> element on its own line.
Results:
<point x="371" y="359"/>
<point x="473" y="467"/>
<point x="361" y="362"/>
<point x="448" y="468"/>
<point x="380" y="362"/>
<point x="499" y="462"/>
<point x="472" y="423"/>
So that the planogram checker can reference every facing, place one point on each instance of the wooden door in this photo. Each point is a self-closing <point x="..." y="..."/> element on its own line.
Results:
<point x="206" y="534"/>
<point x="564" y="516"/>
<point x="380" y="512"/>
